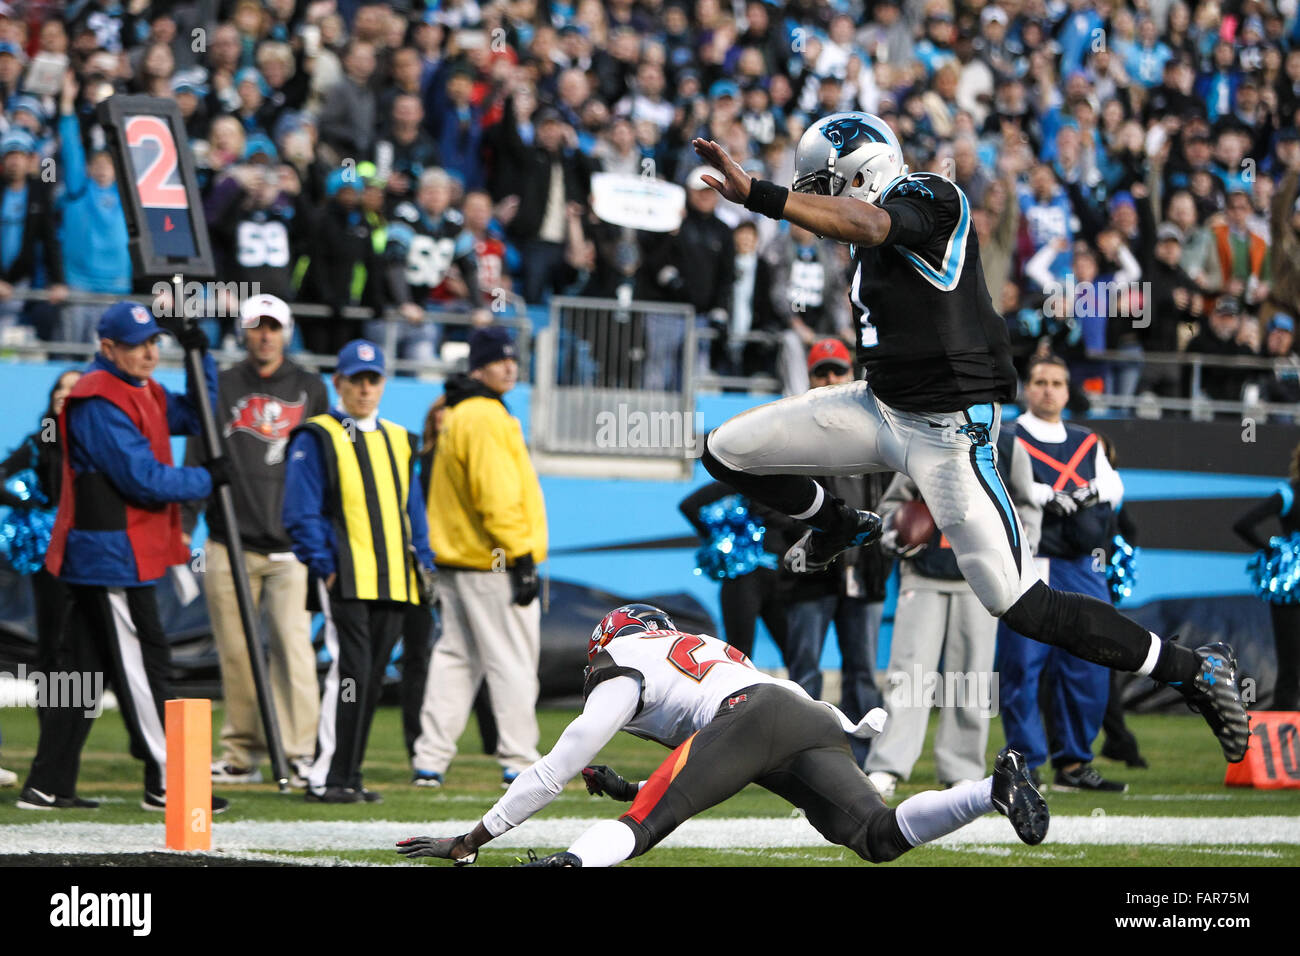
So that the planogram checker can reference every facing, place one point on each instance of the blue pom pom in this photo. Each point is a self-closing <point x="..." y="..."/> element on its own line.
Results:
<point x="734" y="546"/>
<point x="1121" y="570"/>
<point x="25" y="534"/>
<point x="1275" y="571"/>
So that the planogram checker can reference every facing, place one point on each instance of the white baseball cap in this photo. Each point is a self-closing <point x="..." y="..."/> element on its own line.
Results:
<point x="254" y="309"/>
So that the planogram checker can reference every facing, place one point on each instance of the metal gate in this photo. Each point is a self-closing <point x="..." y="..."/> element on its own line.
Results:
<point x="615" y="389"/>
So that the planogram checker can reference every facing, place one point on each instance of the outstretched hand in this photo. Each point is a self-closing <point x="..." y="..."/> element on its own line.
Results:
<point x="735" y="182"/>
<point x="444" y="848"/>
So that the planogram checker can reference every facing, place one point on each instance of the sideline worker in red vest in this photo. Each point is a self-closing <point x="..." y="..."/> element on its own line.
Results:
<point x="118" y="530"/>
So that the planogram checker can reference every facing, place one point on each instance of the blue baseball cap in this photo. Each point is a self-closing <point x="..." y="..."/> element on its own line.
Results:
<point x="27" y="103"/>
<point x="724" y="88"/>
<point x="128" y="322"/>
<point x="360" y="355"/>
<point x="190" y="81"/>
<point x="13" y="49"/>
<point x="251" y="75"/>
<point x="17" y="140"/>
<point x="259" y="145"/>
<point x="1281" y="321"/>
<point x="340" y="180"/>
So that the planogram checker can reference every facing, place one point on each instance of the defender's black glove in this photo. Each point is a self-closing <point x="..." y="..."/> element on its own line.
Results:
<point x="523" y="580"/>
<point x="602" y="780"/>
<point x="1062" y="504"/>
<point x="440" y="847"/>
<point x="192" y="338"/>
<point x="219" y="469"/>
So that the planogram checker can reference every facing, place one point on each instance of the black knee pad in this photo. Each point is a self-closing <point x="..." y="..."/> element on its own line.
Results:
<point x="1032" y="610"/>
<point x="884" y="841"/>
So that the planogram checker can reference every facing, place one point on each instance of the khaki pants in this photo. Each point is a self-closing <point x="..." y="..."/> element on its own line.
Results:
<point x="280" y="592"/>
<point x="484" y="636"/>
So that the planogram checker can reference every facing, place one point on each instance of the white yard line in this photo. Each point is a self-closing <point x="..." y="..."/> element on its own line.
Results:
<point x="719" y="833"/>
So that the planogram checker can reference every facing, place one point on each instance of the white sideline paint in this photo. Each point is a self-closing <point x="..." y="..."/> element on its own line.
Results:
<point x="720" y="834"/>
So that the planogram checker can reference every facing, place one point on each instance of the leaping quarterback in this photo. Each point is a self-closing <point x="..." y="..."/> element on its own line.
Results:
<point x="730" y="725"/>
<point x="938" y="366"/>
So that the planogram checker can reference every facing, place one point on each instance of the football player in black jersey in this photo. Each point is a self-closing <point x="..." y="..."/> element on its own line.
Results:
<point x="938" y="366"/>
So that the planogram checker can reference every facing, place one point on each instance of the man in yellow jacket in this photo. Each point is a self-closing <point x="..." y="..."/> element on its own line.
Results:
<point x="487" y="525"/>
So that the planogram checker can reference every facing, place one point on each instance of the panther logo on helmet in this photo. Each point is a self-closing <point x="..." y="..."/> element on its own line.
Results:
<point x="628" y="619"/>
<point x="848" y="154"/>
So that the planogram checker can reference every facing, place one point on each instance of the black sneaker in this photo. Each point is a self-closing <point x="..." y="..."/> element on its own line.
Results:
<point x="1015" y="797"/>
<point x="817" y="549"/>
<point x="1214" y="695"/>
<point x="1086" y="777"/>
<point x="333" y="795"/>
<point x="370" y="796"/>
<point x="555" y="859"/>
<point x="1126" y="752"/>
<point x="31" y="799"/>
<point x="158" y="801"/>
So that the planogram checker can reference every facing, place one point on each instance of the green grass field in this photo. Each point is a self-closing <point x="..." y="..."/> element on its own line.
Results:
<point x="1185" y="781"/>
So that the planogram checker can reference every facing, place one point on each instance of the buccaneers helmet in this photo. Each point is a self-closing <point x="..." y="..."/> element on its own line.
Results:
<point x="628" y="619"/>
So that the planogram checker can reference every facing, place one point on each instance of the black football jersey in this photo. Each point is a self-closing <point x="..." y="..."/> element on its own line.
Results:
<point x="928" y="335"/>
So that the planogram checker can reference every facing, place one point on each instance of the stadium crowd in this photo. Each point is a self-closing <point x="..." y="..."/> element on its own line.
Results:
<point x="1132" y="168"/>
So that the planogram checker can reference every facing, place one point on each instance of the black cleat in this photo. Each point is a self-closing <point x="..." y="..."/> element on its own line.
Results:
<point x="1086" y="778"/>
<point x="158" y="802"/>
<point x="1214" y="694"/>
<point x="1016" y="799"/>
<point x="31" y="799"/>
<point x="817" y="549"/>
<point x="555" y="859"/>
<point x="333" y="795"/>
<point x="371" y="796"/>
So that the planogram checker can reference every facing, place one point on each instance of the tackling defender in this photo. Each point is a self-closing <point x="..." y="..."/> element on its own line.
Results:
<point x="731" y="725"/>
<point x="938" y="366"/>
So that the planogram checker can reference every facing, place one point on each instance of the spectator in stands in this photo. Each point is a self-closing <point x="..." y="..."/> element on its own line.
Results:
<point x="260" y="221"/>
<point x="1197" y="257"/>
<point x="348" y="115"/>
<point x="1175" y="300"/>
<point x="1282" y="386"/>
<point x="456" y="122"/>
<point x="29" y="250"/>
<point x="810" y="289"/>
<point x="850" y="592"/>
<point x="1223" y="339"/>
<point x="93" y="236"/>
<point x="1284" y="239"/>
<point x="261" y="400"/>
<point x="364" y="597"/>
<point x="406" y="147"/>
<point x="342" y="257"/>
<point x="548" y="175"/>
<point x="1243" y="260"/>
<point x="488" y="526"/>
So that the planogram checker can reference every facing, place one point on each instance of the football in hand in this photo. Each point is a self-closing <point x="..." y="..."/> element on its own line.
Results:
<point x="914" y="524"/>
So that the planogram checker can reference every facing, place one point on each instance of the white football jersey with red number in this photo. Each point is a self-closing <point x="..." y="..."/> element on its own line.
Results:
<point x="684" y="679"/>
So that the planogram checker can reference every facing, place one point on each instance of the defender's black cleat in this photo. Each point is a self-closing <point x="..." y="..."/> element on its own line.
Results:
<point x="817" y="549"/>
<point x="555" y="859"/>
<point x="1016" y="799"/>
<point x="1214" y="694"/>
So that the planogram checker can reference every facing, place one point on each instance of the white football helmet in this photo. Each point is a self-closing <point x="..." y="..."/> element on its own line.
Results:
<point x="848" y="154"/>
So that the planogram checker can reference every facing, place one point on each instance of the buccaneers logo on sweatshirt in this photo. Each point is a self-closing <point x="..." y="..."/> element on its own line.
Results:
<point x="269" y="418"/>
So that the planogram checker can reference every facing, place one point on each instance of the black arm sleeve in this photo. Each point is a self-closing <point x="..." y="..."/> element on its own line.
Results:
<point x="911" y="222"/>
<point x="1246" y="526"/>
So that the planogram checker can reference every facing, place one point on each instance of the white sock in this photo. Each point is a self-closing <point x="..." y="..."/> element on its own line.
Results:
<point x="606" y="843"/>
<point x="819" y="496"/>
<point x="929" y="815"/>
